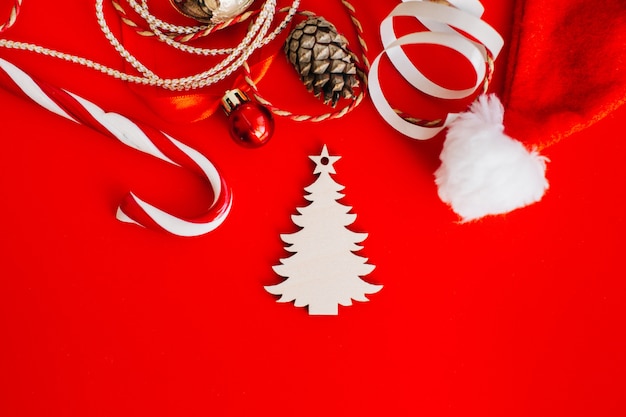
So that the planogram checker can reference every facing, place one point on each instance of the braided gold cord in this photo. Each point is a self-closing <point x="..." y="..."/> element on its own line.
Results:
<point x="212" y="29"/>
<point x="359" y="34"/>
<point x="15" y="11"/>
<point x="258" y="35"/>
<point x="201" y="32"/>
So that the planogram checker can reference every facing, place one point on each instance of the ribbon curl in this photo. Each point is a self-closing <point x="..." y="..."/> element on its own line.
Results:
<point x="456" y="26"/>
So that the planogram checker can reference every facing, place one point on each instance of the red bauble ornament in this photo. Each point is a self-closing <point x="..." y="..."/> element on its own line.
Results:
<point x="251" y="124"/>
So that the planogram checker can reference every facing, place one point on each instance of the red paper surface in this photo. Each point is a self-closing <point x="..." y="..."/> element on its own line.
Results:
<point x="516" y="315"/>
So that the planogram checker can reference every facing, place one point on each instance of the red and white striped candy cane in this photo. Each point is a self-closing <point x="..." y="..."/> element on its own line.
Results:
<point x="136" y="135"/>
<point x="15" y="10"/>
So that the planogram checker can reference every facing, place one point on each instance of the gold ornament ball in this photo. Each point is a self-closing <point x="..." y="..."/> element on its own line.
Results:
<point x="211" y="11"/>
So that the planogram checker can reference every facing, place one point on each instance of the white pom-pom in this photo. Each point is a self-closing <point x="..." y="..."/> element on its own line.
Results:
<point x="483" y="171"/>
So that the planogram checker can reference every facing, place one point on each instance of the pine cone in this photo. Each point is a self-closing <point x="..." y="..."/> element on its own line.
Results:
<point x="321" y="57"/>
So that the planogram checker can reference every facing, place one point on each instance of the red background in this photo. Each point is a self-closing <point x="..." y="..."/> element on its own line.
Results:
<point x="516" y="315"/>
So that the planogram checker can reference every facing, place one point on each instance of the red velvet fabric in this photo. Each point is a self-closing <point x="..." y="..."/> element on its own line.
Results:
<point x="567" y="67"/>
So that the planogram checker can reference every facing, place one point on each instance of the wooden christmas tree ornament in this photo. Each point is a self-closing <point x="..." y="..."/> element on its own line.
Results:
<point x="324" y="270"/>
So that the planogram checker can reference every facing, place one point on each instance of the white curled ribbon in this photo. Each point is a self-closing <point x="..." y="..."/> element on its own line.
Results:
<point x="141" y="137"/>
<point x="446" y="25"/>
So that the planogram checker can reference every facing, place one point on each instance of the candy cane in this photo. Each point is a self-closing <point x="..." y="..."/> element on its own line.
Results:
<point x="136" y="135"/>
<point x="15" y="10"/>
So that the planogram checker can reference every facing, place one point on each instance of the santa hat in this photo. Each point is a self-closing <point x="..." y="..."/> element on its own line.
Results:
<point x="566" y="71"/>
